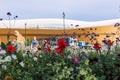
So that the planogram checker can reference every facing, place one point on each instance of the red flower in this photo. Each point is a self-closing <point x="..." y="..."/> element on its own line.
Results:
<point x="11" y="49"/>
<point x="46" y="46"/>
<point x="61" y="46"/>
<point x="60" y="50"/>
<point x="62" y="43"/>
<point x="48" y="49"/>
<point x="110" y="42"/>
<point x="46" y="42"/>
<point x="97" y="46"/>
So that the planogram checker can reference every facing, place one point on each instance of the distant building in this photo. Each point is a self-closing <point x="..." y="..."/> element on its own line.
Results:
<point x="43" y="28"/>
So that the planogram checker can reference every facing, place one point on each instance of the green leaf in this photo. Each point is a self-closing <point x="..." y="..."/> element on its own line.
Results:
<point x="3" y="46"/>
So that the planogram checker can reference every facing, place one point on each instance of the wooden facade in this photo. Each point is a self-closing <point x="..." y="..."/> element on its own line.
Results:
<point x="80" y="33"/>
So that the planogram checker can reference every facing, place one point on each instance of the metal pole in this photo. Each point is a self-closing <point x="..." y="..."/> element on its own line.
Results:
<point x="9" y="28"/>
<point x="64" y="21"/>
<point x="25" y="34"/>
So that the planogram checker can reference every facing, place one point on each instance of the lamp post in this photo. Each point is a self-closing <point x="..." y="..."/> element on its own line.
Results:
<point x="9" y="24"/>
<point x="25" y="34"/>
<point x="64" y="21"/>
<point x="9" y="14"/>
<point x="9" y="18"/>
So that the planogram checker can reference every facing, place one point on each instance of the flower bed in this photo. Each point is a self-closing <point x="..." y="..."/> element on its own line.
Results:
<point x="60" y="63"/>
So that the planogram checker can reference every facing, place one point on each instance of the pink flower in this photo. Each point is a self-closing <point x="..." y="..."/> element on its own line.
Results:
<point x="35" y="54"/>
<point x="76" y="60"/>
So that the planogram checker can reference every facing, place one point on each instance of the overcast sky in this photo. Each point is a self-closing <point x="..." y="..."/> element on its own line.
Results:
<point x="83" y="10"/>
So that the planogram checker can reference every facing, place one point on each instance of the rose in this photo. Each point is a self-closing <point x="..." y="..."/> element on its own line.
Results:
<point x="11" y="49"/>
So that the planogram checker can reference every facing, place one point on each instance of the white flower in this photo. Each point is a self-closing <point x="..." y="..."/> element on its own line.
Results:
<point x="24" y="54"/>
<point x="19" y="47"/>
<point x="7" y="58"/>
<point x="4" y="67"/>
<point x="30" y="55"/>
<point x="34" y="50"/>
<point x="1" y="57"/>
<point x="2" y="61"/>
<point x="2" y="52"/>
<point x="14" y="56"/>
<point x="22" y="64"/>
<point x="35" y="58"/>
<point x="69" y="56"/>
<point x="113" y="58"/>
<point x="40" y="56"/>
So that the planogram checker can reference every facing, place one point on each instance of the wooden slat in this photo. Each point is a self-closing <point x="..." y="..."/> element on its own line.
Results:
<point x="42" y="33"/>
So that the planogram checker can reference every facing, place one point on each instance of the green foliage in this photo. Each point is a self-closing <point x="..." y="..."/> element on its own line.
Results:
<point x="48" y="66"/>
<point x="93" y="55"/>
<point x="27" y="42"/>
<point x="3" y="46"/>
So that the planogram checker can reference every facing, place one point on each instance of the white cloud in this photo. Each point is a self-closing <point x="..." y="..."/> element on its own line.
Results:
<point x="74" y="9"/>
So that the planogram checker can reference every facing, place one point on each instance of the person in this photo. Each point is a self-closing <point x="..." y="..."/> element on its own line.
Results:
<point x="34" y="44"/>
<point x="20" y="41"/>
<point x="82" y="44"/>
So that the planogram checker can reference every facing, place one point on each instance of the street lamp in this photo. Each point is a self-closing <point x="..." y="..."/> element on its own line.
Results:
<point x="9" y="17"/>
<point x="64" y="21"/>
<point x="25" y="34"/>
<point x="9" y="26"/>
<point x="9" y="14"/>
<point x="15" y="20"/>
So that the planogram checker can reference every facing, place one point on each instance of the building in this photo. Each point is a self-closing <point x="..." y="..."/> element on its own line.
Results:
<point x="42" y="28"/>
